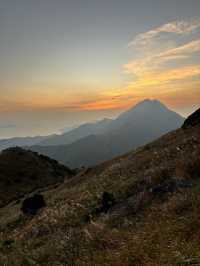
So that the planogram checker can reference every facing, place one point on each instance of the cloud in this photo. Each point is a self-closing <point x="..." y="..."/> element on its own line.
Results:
<point x="157" y="60"/>
<point x="165" y="77"/>
<point x="174" y="27"/>
<point x="171" y="67"/>
<point x="101" y="105"/>
<point x="166" y="64"/>
<point x="154" y="62"/>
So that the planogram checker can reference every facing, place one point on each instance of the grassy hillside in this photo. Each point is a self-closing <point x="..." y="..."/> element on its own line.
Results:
<point x="154" y="218"/>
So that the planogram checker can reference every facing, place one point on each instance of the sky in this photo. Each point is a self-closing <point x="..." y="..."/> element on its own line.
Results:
<point x="63" y="63"/>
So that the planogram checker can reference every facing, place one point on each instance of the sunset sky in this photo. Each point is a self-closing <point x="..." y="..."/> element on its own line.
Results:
<point x="66" y="62"/>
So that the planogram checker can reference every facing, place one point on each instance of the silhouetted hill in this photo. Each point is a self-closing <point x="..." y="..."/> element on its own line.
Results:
<point x="145" y="122"/>
<point x="192" y="120"/>
<point x="142" y="208"/>
<point x="23" y="171"/>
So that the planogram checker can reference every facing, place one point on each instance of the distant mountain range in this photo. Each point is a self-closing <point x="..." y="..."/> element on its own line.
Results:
<point x="26" y="141"/>
<point x="82" y="131"/>
<point x="55" y="139"/>
<point x="91" y="144"/>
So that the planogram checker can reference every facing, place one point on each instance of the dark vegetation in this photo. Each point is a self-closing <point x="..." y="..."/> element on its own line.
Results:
<point x="33" y="204"/>
<point x="108" y="201"/>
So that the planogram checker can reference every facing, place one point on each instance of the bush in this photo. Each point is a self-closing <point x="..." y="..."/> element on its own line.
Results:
<point x="8" y="243"/>
<point x="107" y="202"/>
<point x="33" y="204"/>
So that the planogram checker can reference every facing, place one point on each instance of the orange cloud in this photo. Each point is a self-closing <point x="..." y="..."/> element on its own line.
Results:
<point x="167" y="76"/>
<point x="148" y="64"/>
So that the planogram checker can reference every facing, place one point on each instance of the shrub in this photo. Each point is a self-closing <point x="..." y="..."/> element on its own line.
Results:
<point x="8" y="242"/>
<point x="107" y="201"/>
<point x="33" y="204"/>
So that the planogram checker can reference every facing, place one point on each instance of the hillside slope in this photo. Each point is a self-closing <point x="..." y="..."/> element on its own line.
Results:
<point x="153" y="216"/>
<point x="23" y="171"/>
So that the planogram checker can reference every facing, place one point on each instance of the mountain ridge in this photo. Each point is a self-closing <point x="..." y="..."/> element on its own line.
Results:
<point x="128" y="131"/>
<point x="73" y="135"/>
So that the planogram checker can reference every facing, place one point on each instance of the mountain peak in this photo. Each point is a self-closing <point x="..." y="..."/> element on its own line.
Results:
<point x="147" y="106"/>
<point x="150" y="103"/>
